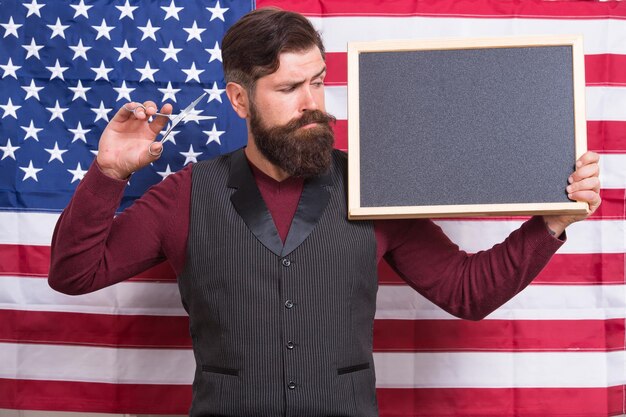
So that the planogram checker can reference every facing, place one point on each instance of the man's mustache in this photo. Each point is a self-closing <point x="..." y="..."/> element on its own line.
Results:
<point x="312" y="116"/>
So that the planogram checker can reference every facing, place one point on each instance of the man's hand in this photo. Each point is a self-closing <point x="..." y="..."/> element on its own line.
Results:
<point x="124" y="144"/>
<point x="584" y="186"/>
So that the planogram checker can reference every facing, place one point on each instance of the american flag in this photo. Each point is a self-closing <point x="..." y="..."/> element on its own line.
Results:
<point x="558" y="348"/>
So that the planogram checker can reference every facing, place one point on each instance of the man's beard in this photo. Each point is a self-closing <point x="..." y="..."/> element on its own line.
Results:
<point x="299" y="152"/>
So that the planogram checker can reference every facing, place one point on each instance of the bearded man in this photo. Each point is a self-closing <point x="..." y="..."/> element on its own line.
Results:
<point x="279" y="286"/>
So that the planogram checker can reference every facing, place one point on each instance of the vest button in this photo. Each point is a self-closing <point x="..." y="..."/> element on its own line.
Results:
<point x="290" y="345"/>
<point x="289" y="304"/>
<point x="286" y="262"/>
<point x="291" y="385"/>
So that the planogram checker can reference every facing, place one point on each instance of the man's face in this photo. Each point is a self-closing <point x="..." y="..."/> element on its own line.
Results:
<point x="287" y="118"/>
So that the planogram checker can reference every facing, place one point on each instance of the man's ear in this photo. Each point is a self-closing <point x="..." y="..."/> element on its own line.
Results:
<point x="239" y="99"/>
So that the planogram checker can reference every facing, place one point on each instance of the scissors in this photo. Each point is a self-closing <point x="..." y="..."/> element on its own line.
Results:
<point x="175" y="120"/>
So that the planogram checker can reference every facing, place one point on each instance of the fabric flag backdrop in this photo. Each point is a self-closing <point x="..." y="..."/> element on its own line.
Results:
<point x="557" y="349"/>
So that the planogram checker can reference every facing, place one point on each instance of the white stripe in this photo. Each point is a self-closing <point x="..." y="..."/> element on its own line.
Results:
<point x="128" y="298"/>
<point x="603" y="103"/>
<point x="394" y="370"/>
<point x="538" y="302"/>
<point x="591" y="236"/>
<point x="601" y="36"/>
<point x="597" y="236"/>
<point x="393" y="302"/>
<point x="606" y="103"/>
<point x="499" y="370"/>
<point x="612" y="170"/>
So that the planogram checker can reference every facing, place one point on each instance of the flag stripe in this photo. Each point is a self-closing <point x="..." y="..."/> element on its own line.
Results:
<point x="594" y="268"/>
<point x="140" y="331"/>
<point x="423" y="402"/>
<point x="600" y="70"/>
<point x="25" y="228"/>
<point x="393" y="369"/>
<point x="600" y="36"/>
<point x="543" y="302"/>
<point x="497" y="402"/>
<point x="463" y="8"/>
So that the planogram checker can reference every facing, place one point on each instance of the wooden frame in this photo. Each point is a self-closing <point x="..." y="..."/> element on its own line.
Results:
<point x="355" y="208"/>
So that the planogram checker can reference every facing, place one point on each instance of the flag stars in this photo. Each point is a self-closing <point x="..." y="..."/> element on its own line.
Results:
<point x="147" y="73"/>
<point x="56" y="153"/>
<point x="214" y="93"/>
<point x="58" y="29"/>
<point x="79" y="91"/>
<point x="190" y="156"/>
<point x="101" y="112"/>
<point x="10" y="69"/>
<point x="10" y="28"/>
<point x="171" y="137"/>
<point x="102" y="72"/>
<point x="32" y="49"/>
<point x="216" y="53"/>
<point x="31" y="131"/>
<point x="217" y="12"/>
<point x="81" y="9"/>
<point x="164" y="174"/>
<point x="148" y="31"/>
<point x="79" y="133"/>
<point x="57" y="71"/>
<point x="8" y="151"/>
<point x="194" y="32"/>
<point x="33" y="8"/>
<point x="169" y="92"/>
<point x="9" y="109"/>
<point x="171" y="11"/>
<point x="57" y="111"/>
<point x="123" y="92"/>
<point x="78" y="173"/>
<point x="80" y="50"/>
<point x="103" y="30"/>
<point x="213" y="135"/>
<point x="170" y="52"/>
<point x="126" y="10"/>
<point x="193" y="73"/>
<point x="30" y="171"/>
<point x="32" y="90"/>
<point x="126" y="52"/>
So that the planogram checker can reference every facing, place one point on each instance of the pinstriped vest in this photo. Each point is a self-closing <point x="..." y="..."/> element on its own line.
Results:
<point x="278" y="330"/>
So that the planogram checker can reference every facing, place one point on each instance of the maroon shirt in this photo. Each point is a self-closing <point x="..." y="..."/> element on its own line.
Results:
<point x="91" y="249"/>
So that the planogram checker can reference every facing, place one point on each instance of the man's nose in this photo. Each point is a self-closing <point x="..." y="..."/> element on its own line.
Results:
<point x="307" y="100"/>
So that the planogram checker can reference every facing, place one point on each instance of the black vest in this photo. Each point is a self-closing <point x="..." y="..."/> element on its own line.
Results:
<point x="278" y="330"/>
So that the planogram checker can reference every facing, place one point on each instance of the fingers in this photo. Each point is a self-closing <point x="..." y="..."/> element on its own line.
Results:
<point x="159" y="122"/>
<point x="590" y="184"/>
<point x="587" y="196"/>
<point x="587" y="158"/>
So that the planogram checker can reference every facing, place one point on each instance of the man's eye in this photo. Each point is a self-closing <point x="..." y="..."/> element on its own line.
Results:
<point x="318" y="83"/>
<point x="288" y="89"/>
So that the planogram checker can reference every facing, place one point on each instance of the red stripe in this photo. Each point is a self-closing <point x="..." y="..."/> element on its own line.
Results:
<point x="393" y="402"/>
<point x="129" y="331"/>
<point x="602" y="136"/>
<point x="606" y="136"/>
<point x="498" y="335"/>
<point x="600" y="70"/>
<point x="94" y="397"/>
<point x="125" y="331"/>
<point x="593" y="268"/>
<point x="501" y="402"/>
<point x="452" y="8"/>
<point x="605" y="69"/>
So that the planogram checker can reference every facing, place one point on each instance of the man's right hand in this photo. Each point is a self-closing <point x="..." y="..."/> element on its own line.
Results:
<point x="124" y="144"/>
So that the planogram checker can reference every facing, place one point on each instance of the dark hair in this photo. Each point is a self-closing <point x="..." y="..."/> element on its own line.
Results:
<point x="251" y="48"/>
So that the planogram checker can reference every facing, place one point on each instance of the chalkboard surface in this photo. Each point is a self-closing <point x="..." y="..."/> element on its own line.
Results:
<point x="464" y="127"/>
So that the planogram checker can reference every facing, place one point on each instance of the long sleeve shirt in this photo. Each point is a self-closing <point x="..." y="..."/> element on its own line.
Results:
<point x="92" y="248"/>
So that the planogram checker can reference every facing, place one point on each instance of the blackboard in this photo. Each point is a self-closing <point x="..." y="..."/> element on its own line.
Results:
<point x="464" y="127"/>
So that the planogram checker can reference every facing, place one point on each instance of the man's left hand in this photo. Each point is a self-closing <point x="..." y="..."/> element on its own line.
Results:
<point x="584" y="186"/>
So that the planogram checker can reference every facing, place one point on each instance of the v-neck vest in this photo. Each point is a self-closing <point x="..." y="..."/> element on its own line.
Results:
<point x="278" y="331"/>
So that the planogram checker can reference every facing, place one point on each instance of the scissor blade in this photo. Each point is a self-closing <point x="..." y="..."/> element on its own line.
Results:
<point x="187" y="110"/>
